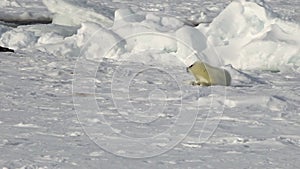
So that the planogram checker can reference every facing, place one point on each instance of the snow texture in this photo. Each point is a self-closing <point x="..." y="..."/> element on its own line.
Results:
<point x="105" y="84"/>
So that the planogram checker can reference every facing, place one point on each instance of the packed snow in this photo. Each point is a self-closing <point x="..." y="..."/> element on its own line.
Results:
<point x="233" y="37"/>
<point x="105" y="84"/>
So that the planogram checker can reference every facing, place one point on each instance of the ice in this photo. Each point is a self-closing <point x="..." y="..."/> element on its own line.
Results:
<point x="244" y="28"/>
<point x="117" y="78"/>
<point x="123" y="16"/>
<point x="14" y="12"/>
<point x="9" y="3"/>
<point x="190" y="44"/>
<point x="73" y="13"/>
<point x="138" y="28"/>
<point x="17" y="39"/>
<point x="3" y="29"/>
<point x="90" y="35"/>
<point x="36" y="37"/>
<point x="233" y="37"/>
<point x="26" y="125"/>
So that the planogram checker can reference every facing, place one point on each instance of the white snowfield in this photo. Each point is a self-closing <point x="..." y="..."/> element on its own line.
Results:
<point x="105" y="84"/>
<point x="76" y="12"/>
<point x="233" y="37"/>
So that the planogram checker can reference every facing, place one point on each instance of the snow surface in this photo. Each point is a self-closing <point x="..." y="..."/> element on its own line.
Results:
<point x="107" y="87"/>
<point x="232" y="38"/>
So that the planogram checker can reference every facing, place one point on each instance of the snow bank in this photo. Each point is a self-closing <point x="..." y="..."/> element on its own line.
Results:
<point x="143" y="32"/>
<point x="9" y="3"/>
<point x="159" y="39"/>
<point x="17" y="39"/>
<point x="3" y="29"/>
<point x="191" y="43"/>
<point x="36" y="37"/>
<point x="73" y="13"/>
<point x="15" y="12"/>
<point x="97" y="42"/>
<point x="248" y="36"/>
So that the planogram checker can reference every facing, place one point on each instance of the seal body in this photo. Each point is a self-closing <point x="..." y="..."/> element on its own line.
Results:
<point x="207" y="75"/>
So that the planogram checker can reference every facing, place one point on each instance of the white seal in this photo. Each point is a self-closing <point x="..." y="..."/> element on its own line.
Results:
<point x="207" y="75"/>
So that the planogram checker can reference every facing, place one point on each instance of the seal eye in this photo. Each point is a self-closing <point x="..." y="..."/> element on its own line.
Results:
<point x="191" y="66"/>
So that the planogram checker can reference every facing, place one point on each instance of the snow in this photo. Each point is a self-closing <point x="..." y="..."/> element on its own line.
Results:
<point x="71" y="13"/>
<point x="6" y="3"/>
<point x="233" y="37"/>
<point x="90" y="35"/>
<point x="190" y="48"/>
<point x="105" y="84"/>
<point x="237" y="37"/>
<point x="17" y="39"/>
<point x="23" y="11"/>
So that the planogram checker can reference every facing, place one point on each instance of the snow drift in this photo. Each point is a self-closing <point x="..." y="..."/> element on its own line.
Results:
<point x="246" y="35"/>
<point x="249" y="36"/>
<point x="73" y="13"/>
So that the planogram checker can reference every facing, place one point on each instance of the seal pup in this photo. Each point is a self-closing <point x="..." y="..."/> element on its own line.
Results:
<point x="207" y="75"/>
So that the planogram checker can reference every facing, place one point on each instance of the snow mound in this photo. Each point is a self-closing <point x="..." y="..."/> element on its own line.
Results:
<point x="248" y="36"/>
<point x="73" y="13"/>
<point x="191" y="43"/>
<point x="88" y="38"/>
<point x="37" y="37"/>
<point x="9" y="3"/>
<point x="17" y="39"/>
<point x="137" y="29"/>
<point x="3" y="29"/>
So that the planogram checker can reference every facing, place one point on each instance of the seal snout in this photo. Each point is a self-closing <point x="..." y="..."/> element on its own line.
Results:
<point x="187" y="69"/>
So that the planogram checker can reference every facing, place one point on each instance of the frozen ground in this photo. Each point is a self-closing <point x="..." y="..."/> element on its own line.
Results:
<point x="84" y="96"/>
<point x="39" y="127"/>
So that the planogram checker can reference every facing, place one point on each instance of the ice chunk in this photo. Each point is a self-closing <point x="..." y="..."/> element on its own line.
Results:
<point x="97" y="43"/>
<point x="191" y="42"/>
<point x="76" y="12"/>
<point x="248" y="36"/>
<point x="17" y="39"/>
